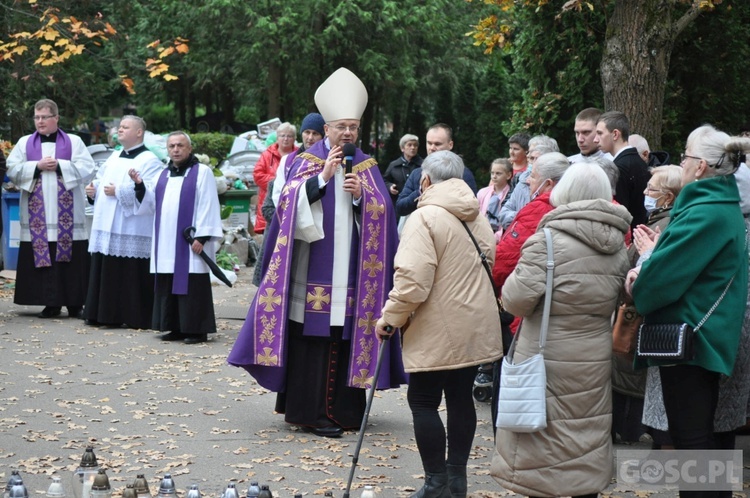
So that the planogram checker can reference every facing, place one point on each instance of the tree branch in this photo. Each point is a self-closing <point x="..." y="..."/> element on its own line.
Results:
<point x="687" y="18"/>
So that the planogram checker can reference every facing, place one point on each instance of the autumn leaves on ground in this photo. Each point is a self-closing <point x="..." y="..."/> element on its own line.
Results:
<point x="152" y="407"/>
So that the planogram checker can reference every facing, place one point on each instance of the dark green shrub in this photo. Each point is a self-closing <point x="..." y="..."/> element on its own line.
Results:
<point x="215" y="145"/>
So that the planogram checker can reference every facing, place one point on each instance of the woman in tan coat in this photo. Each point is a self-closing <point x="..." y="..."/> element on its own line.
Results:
<point x="441" y="285"/>
<point x="573" y="455"/>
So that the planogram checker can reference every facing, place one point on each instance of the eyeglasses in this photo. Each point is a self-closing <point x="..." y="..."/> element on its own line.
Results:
<point x="684" y="156"/>
<point x="344" y="129"/>
<point x="44" y="118"/>
<point x="650" y="189"/>
<point x="286" y="136"/>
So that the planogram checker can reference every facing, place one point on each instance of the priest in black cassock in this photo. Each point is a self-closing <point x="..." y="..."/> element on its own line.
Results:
<point x="51" y="168"/>
<point x="121" y="287"/>
<point x="184" y="196"/>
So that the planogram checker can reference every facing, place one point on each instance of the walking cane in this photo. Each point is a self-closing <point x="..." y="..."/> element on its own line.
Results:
<point x="370" y="395"/>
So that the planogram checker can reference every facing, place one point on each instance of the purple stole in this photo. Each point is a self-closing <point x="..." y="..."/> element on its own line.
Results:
<point x="261" y="345"/>
<point x="184" y="220"/>
<point x="37" y="218"/>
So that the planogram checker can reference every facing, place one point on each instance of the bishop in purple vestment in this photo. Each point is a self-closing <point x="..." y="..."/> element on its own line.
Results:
<point x="327" y="269"/>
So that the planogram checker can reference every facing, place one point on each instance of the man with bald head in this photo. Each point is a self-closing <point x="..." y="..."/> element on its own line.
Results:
<point x="121" y="287"/>
<point x="439" y="137"/>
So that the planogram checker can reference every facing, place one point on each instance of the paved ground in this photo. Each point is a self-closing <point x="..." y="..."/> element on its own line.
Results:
<point x="152" y="407"/>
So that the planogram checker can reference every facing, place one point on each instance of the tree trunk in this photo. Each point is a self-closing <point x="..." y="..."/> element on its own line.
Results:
<point x="274" y="90"/>
<point x="638" y="47"/>
<point x="182" y="103"/>
<point x="366" y="127"/>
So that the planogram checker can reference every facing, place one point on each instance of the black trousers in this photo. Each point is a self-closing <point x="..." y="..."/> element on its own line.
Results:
<point x="424" y="395"/>
<point x="690" y="397"/>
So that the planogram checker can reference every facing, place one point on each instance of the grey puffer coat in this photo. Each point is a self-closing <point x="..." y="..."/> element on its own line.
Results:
<point x="571" y="456"/>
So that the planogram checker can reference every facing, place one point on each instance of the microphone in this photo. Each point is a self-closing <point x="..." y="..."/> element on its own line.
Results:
<point x="349" y="151"/>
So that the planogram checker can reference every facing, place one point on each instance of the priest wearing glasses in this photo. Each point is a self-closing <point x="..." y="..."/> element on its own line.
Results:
<point x="51" y="168"/>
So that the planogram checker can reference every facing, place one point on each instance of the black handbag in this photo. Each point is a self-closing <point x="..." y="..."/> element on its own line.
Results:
<point x="666" y="340"/>
<point x="672" y="340"/>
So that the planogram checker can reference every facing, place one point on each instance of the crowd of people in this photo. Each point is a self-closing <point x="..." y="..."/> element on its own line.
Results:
<point x="353" y="257"/>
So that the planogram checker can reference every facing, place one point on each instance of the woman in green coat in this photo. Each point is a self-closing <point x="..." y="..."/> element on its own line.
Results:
<point x="701" y="254"/>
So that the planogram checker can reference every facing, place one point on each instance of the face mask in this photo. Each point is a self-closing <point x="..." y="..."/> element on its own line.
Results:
<point x="536" y="193"/>
<point x="650" y="203"/>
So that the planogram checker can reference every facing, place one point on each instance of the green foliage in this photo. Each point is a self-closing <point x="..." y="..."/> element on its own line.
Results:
<point x="160" y="118"/>
<point x="707" y="80"/>
<point x="556" y="64"/>
<point x="215" y="145"/>
<point x="226" y="260"/>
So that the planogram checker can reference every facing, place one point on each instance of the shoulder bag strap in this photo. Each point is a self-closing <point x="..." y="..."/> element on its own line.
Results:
<point x="548" y="292"/>
<point x="486" y="265"/>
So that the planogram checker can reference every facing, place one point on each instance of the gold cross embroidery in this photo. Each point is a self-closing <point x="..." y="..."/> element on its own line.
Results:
<point x="281" y="241"/>
<point x="267" y="359"/>
<point x="368" y="322"/>
<point x="374" y="208"/>
<point x="373" y="265"/>
<point x="363" y="380"/>
<point x="269" y="300"/>
<point x="318" y="298"/>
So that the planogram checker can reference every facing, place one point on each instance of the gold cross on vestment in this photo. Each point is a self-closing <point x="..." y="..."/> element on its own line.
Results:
<point x="363" y="380"/>
<point x="373" y="265"/>
<point x="368" y="322"/>
<point x="269" y="300"/>
<point x="281" y="241"/>
<point x="267" y="359"/>
<point x="374" y="208"/>
<point x="318" y="298"/>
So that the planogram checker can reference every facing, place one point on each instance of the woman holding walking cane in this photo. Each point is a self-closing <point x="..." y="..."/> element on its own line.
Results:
<point x="440" y="287"/>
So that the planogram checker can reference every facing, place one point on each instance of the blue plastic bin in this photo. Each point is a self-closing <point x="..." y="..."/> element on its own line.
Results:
<point x="11" y="229"/>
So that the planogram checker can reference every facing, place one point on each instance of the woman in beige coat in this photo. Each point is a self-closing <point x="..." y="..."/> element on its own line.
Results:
<point x="573" y="455"/>
<point x="441" y="285"/>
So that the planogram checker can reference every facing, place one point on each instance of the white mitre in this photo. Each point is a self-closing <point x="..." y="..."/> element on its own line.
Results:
<point x="341" y="96"/>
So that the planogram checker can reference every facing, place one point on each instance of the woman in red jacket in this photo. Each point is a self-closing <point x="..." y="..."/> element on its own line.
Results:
<point x="265" y="169"/>
<point x="545" y="174"/>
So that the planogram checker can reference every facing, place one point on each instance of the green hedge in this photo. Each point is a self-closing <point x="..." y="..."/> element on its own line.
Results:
<point x="215" y="145"/>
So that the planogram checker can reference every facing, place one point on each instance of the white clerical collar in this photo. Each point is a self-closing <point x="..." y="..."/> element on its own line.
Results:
<point x="128" y="151"/>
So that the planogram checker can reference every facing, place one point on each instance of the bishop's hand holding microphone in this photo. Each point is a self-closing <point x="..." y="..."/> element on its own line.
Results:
<point x="351" y="182"/>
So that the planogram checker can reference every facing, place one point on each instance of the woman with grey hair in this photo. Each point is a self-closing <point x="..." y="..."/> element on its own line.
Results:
<point x="545" y="173"/>
<point x="265" y="169"/>
<point x="398" y="171"/>
<point x="702" y="258"/>
<point x="440" y="286"/>
<point x="590" y="266"/>
<point x="520" y="195"/>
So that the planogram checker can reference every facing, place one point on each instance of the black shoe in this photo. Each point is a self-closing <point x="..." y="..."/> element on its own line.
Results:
<point x="330" y="431"/>
<point x="195" y="339"/>
<point x="435" y="486"/>
<point x="173" y="336"/>
<point x="75" y="312"/>
<point x="457" y="480"/>
<point x="50" y="312"/>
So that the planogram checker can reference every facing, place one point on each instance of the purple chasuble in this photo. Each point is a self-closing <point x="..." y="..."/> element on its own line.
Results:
<point x="184" y="220"/>
<point x="261" y="345"/>
<point x="37" y="218"/>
